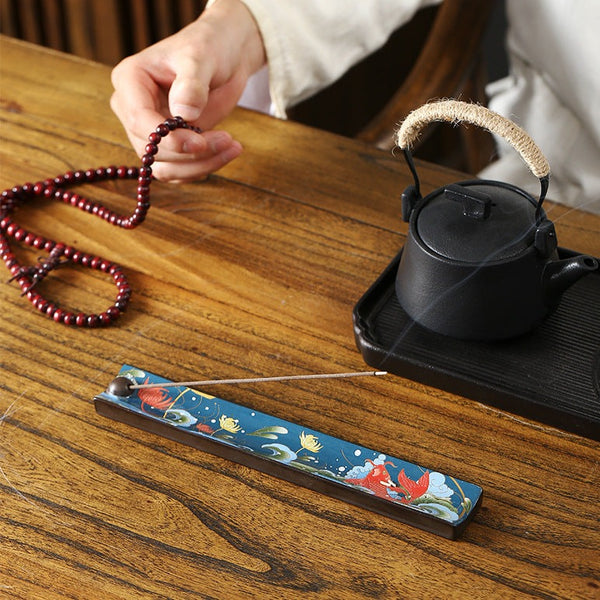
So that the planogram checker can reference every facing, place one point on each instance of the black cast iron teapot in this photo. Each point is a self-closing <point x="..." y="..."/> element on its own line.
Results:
<point x="480" y="261"/>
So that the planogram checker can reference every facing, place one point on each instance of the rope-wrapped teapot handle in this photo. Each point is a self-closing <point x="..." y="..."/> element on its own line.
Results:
<point x="455" y="111"/>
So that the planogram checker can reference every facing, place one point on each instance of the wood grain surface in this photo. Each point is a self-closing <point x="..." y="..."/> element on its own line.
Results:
<point x="253" y="272"/>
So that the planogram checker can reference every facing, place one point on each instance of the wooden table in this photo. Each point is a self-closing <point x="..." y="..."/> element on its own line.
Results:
<point x="252" y="272"/>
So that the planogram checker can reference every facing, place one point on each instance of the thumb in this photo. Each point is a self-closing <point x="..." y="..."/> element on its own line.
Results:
<point x="189" y="92"/>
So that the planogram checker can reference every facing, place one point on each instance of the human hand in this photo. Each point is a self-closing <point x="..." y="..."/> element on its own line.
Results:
<point x="199" y="74"/>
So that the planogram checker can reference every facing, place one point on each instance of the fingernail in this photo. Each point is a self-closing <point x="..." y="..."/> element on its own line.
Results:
<point x="196" y="144"/>
<point x="233" y="152"/>
<point x="220" y="142"/>
<point x="187" y="112"/>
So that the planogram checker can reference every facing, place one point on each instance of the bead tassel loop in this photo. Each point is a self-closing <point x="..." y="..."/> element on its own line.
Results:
<point x="61" y="254"/>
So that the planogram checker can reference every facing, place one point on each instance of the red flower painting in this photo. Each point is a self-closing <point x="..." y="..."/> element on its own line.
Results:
<point x="157" y="397"/>
<point x="204" y="428"/>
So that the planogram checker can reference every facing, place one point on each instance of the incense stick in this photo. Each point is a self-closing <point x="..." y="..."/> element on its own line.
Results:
<point x="139" y="386"/>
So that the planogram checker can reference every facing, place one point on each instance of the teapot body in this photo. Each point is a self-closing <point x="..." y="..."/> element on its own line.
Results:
<point x="497" y="295"/>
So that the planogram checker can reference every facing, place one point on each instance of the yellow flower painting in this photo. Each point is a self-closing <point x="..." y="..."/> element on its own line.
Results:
<point x="310" y="442"/>
<point x="229" y="424"/>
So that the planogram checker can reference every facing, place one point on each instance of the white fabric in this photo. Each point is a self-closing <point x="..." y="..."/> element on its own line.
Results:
<point x="553" y="90"/>
<point x="256" y="94"/>
<point x="311" y="43"/>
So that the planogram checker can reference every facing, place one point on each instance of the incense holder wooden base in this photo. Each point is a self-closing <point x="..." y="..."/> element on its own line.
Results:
<point x="390" y="486"/>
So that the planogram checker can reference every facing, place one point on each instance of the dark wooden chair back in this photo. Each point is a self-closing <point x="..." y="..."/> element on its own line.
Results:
<point x="437" y="55"/>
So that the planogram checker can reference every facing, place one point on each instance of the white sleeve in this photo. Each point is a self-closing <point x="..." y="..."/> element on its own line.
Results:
<point x="311" y="43"/>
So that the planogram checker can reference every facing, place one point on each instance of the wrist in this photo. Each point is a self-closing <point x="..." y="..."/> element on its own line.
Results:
<point x="234" y="16"/>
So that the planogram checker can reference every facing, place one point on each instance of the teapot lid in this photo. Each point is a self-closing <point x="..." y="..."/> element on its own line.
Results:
<point x="477" y="221"/>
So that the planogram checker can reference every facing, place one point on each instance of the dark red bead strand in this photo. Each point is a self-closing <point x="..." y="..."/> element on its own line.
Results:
<point x="61" y="254"/>
<point x="27" y="281"/>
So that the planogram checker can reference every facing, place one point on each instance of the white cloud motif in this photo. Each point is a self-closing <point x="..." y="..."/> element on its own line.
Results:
<point x="437" y="486"/>
<point x="361" y="471"/>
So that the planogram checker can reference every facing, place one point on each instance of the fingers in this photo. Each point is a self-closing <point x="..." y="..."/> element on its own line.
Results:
<point x="183" y="155"/>
<point x="192" y="156"/>
<point x="195" y="169"/>
<point x="138" y="101"/>
<point x="189" y="91"/>
<point x="222" y="100"/>
<point x="158" y="83"/>
<point x="189" y="145"/>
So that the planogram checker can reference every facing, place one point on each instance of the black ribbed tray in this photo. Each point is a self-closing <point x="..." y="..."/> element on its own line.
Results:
<point x="551" y="375"/>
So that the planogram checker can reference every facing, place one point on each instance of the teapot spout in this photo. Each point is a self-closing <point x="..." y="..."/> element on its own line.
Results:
<point x="559" y="275"/>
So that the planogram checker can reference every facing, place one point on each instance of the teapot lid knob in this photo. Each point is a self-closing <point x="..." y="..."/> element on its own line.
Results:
<point x="476" y="204"/>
